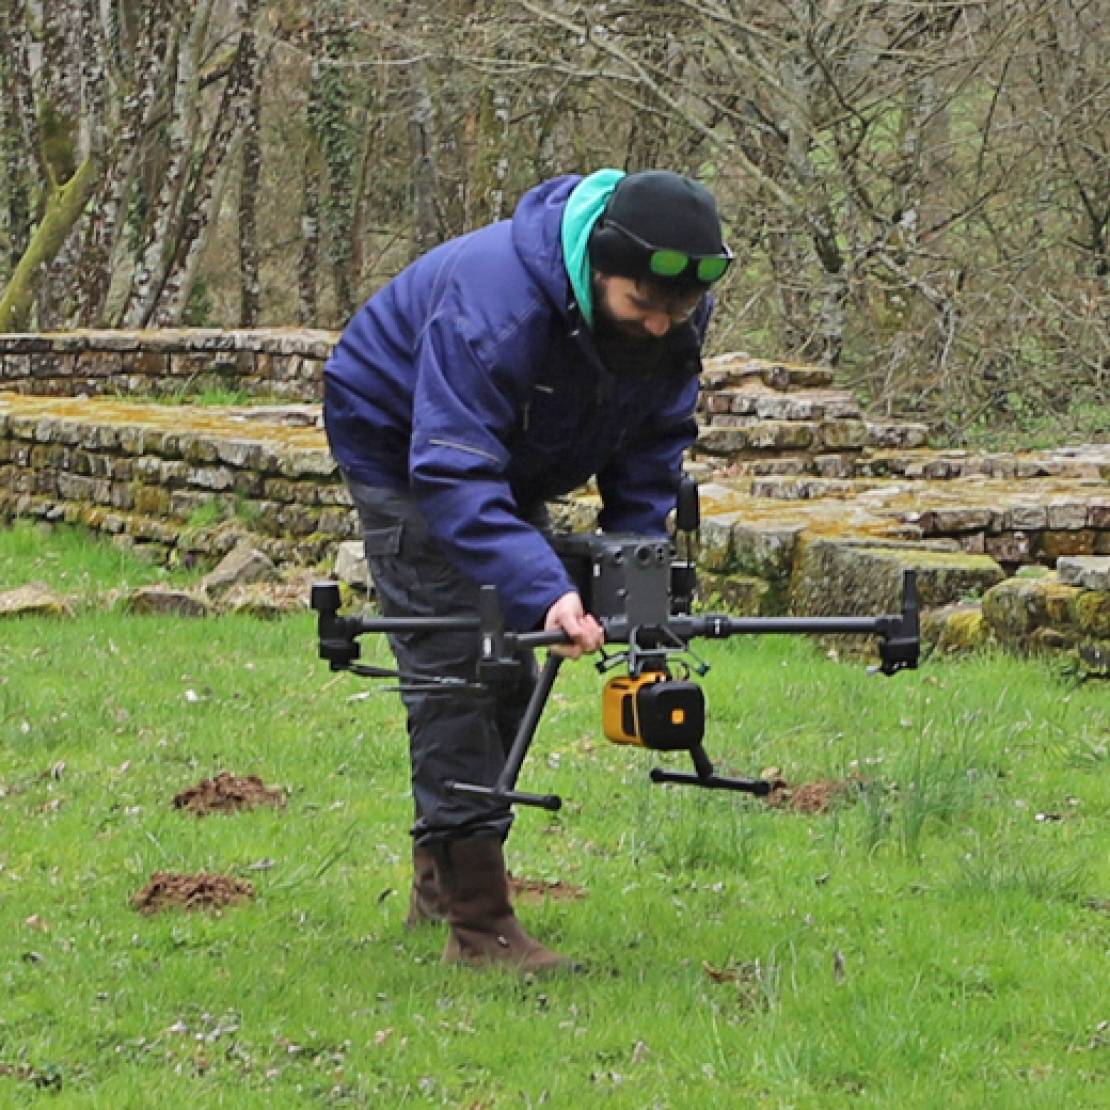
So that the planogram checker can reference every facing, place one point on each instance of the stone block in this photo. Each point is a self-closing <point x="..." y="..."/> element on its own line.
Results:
<point x="1088" y="573"/>
<point x="308" y="463"/>
<point x="243" y="565"/>
<point x="780" y="435"/>
<point x="841" y="434"/>
<point x="123" y="496"/>
<point x="51" y="364"/>
<point x="44" y="457"/>
<point x="297" y="520"/>
<point x="160" y="600"/>
<point x="1050" y="546"/>
<point x="350" y="564"/>
<point x="217" y="478"/>
<point x="789" y="408"/>
<point x="197" y="448"/>
<point x="945" y="521"/>
<point x="1027" y="517"/>
<point x="956" y="628"/>
<point x="714" y="440"/>
<point x="1091" y="610"/>
<point x="45" y="481"/>
<point x="100" y="437"/>
<point x="1067" y="515"/>
<point x="145" y="364"/>
<point x="150" y="501"/>
<point x="76" y="487"/>
<point x="741" y="594"/>
<point x="15" y="367"/>
<point x="833" y="466"/>
<point x="845" y="577"/>
<point x="339" y="522"/>
<point x="98" y="364"/>
<point x="133" y="438"/>
<point x="1015" y="608"/>
<point x="34" y="599"/>
<point x="892" y="434"/>
<point x="246" y="483"/>
<point x="763" y="551"/>
<point x="333" y="495"/>
<point x="242" y="453"/>
<point x="1009" y="547"/>
<point x="183" y="503"/>
<point x="742" y="403"/>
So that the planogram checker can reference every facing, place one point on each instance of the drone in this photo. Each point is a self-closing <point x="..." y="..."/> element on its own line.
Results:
<point x="643" y="596"/>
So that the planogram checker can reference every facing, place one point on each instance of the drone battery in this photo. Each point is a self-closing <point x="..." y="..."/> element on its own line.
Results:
<point x="653" y="711"/>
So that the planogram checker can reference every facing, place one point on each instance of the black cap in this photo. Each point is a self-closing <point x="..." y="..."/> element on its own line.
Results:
<point x="661" y="208"/>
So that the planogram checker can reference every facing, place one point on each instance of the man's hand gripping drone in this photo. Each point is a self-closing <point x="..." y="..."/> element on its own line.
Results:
<point x="642" y="595"/>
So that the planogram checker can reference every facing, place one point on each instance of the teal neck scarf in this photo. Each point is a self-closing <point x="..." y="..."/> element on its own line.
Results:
<point x="584" y="207"/>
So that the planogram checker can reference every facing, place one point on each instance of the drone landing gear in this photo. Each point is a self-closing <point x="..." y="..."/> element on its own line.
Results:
<point x="504" y="790"/>
<point x="705" y="776"/>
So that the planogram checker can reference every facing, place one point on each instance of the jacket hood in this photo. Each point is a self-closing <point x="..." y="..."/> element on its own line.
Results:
<point x="537" y="238"/>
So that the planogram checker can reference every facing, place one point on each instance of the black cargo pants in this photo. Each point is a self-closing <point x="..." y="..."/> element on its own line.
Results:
<point x="461" y="737"/>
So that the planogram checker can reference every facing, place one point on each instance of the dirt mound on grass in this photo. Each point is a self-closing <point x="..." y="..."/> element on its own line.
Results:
<point x="535" y="890"/>
<point x="812" y="797"/>
<point x="169" y="890"/>
<point x="228" y="793"/>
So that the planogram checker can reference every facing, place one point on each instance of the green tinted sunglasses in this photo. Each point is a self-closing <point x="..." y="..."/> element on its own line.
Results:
<point x="667" y="263"/>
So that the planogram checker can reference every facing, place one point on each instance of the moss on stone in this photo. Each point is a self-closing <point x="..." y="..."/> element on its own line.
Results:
<point x="1091" y="609"/>
<point x="955" y="629"/>
<point x="1016" y="608"/>
<point x="742" y="594"/>
<point x="833" y="577"/>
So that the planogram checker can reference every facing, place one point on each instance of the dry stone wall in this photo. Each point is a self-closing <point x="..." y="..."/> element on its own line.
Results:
<point x="180" y="482"/>
<point x="270" y="362"/>
<point x="808" y="505"/>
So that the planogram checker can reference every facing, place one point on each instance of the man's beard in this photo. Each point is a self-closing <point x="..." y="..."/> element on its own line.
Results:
<point x="621" y="351"/>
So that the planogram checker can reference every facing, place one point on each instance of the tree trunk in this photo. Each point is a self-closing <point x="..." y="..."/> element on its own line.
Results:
<point x="249" y="180"/>
<point x="425" y="176"/>
<point x="308" y="261"/>
<point x="63" y="209"/>
<point x="206" y="185"/>
<point x="150" y="271"/>
<point x="15" y="195"/>
<point x="142" y="52"/>
<point x="60" y="104"/>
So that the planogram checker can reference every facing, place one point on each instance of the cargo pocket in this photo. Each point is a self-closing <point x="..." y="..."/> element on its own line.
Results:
<point x="383" y="542"/>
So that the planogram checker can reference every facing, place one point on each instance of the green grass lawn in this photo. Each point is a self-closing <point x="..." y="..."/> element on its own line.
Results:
<point x="940" y="939"/>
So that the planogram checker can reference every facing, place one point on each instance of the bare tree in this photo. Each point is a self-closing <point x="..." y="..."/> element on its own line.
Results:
<point x="131" y="149"/>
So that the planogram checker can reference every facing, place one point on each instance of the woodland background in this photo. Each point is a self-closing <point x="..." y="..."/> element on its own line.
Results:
<point x="918" y="192"/>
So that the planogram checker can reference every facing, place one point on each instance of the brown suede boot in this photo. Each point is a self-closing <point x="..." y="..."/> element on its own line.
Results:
<point x="426" y="904"/>
<point x="484" y="929"/>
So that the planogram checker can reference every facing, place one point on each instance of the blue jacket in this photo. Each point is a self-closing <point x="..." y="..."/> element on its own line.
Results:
<point x="471" y="381"/>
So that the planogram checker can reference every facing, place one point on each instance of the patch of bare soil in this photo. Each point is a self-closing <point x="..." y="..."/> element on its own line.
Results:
<point x="813" y="797"/>
<point x="228" y="793"/>
<point x="535" y="890"/>
<point x="168" y="890"/>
